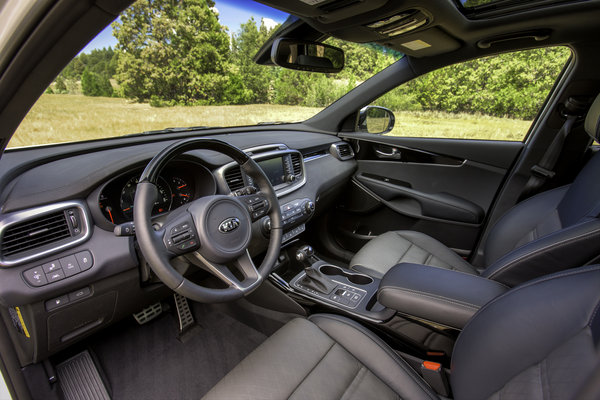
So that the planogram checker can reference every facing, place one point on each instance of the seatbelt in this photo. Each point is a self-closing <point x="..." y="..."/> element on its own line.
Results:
<point x="573" y="109"/>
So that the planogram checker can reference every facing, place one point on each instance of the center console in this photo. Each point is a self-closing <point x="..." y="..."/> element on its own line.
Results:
<point x="335" y="287"/>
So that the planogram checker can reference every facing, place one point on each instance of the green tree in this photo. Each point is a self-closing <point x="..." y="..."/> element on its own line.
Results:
<point x="253" y="80"/>
<point x="172" y="50"/>
<point x="93" y="84"/>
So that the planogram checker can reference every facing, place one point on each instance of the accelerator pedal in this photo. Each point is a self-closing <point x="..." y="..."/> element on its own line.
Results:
<point x="184" y="314"/>
<point x="80" y="379"/>
<point x="148" y="313"/>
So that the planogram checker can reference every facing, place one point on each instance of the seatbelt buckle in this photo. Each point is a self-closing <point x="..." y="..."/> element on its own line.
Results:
<point x="435" y="376"/>
<point x="542" y="172"/>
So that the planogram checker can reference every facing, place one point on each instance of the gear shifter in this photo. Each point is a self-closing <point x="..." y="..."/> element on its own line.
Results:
<point x="315" y="280"/>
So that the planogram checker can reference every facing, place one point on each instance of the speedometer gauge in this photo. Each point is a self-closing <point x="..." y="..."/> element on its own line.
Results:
<point x="162" y="204"/>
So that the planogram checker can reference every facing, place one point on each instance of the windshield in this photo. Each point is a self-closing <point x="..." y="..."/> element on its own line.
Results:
<point x="161" y="65"/>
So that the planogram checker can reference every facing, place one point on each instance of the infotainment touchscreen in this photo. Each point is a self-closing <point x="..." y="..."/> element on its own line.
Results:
<point x="273" y="168"/>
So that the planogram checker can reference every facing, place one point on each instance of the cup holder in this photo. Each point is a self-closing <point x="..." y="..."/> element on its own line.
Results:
<point x="357" y="279"/>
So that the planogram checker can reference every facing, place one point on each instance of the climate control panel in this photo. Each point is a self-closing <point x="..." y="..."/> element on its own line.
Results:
<point x="293" y="215"/>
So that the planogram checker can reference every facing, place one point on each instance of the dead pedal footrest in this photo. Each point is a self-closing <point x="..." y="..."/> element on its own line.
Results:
<point x="148" y="313"/>
<point x="80" y="380"/>
<point x="184" y="314"/>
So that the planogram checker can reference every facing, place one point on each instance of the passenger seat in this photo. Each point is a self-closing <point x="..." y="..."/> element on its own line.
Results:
<point x="552" y="231"/>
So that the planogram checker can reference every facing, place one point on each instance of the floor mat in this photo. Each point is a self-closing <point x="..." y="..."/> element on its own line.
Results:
<point x="148" y="362"/>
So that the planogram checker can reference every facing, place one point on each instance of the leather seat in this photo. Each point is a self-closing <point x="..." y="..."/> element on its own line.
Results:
<point x="499" y="354"/>
<point x="549" y="232"/>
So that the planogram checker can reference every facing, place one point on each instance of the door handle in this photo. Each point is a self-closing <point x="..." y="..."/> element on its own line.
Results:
<point x="394" y="155"/>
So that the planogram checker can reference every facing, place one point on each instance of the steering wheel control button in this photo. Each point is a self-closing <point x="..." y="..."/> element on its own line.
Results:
<point x="257" y="205"/>
<point x="79" y="294"/>
<point x="52" y="266"/>
<point x="35" y="276"/>
<point x="57" y="302"/>
<point x="181" y="238"/>
<point x="70" y="266"/>
<point x="85" y="260"/>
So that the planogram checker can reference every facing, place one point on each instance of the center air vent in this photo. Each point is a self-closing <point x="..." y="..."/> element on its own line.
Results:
<point x="296" y="164"/>
<point x="234" y="178"/>
<point x="30" y="234"/>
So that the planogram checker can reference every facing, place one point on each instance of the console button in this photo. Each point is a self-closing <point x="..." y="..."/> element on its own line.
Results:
<point x="79" y="294"/>
<point x="57" y="302"/>
<point x="70" y="266"/>
<point x="35" y="276"/>
<point x="55" y="276"/>
<point x="85" y="260"/>
<point x="51" y="266"/>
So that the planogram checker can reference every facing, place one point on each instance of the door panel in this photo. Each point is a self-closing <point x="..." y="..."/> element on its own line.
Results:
<point x="440" y="187"/>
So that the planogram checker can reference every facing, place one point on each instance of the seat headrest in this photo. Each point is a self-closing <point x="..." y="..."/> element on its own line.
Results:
<point x="592" y="120"/>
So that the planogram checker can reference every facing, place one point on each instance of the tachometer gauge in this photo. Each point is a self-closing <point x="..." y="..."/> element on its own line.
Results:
<point x="182" y="191"/>
<point x="106" y="209"/>
<point x="162" y="204"/>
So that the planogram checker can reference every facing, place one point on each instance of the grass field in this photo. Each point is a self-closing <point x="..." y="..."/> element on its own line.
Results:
<point x="64" y="118"/>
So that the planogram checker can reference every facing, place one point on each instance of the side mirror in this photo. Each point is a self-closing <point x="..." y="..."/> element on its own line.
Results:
<point x="375" y="119"/>
<point x="307" y="56"/>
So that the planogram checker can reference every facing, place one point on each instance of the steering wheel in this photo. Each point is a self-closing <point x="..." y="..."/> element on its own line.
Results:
<point x="213" y="231"/>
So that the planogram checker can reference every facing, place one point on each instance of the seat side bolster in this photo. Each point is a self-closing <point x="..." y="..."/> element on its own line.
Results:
<point x="568" y="248"/>
<point x="517" y="222"/>
<point x="374" y="354"/>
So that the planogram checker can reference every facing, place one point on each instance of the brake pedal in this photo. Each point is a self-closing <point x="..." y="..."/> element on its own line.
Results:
<point x="148" y="313"/>
<point x="80" y="379"/>
<point x="184" y="314"/>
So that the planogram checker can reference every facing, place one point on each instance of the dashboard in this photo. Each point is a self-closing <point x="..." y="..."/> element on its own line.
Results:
<point x="89" y="189"/>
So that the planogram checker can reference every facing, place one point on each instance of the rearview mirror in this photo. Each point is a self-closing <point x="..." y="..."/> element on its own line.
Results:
<point x="375" y="119"/>
<point x="307" y="56"/>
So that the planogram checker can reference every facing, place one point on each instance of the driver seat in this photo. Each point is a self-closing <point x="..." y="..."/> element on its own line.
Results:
<point x="538" y="340"/>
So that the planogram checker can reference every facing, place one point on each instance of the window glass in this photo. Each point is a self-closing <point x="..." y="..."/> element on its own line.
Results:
<point x="492" y="98"/>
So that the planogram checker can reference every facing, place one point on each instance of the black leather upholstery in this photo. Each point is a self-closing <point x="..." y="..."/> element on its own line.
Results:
<point x="499" y="355"/>
<point x="552" y="231"/>
<point x="446" y="297"/>
<point x="392" y="248"/>
<point x="326" y="357"/>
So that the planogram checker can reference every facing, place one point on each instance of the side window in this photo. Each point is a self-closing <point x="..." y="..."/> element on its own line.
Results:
<point x="492" y="98"/>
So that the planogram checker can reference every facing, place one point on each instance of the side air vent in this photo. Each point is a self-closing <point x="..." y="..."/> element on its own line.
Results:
<point x="34" y="233"/>
<point x="234" y="178"/>
<point x="342" y="151"/>
<point x="296" y="164"/>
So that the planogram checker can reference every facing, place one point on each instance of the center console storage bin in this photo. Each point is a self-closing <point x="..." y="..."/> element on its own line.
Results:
<point x="435" y="294"/>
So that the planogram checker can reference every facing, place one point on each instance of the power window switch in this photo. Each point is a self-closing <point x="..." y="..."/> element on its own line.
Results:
<point x="57" y="302"/>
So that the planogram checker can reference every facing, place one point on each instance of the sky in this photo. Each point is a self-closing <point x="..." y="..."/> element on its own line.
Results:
<point x="232" y="13"/>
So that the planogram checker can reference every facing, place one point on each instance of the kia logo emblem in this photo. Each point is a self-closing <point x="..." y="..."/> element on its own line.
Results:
<point x="229" y="225"/>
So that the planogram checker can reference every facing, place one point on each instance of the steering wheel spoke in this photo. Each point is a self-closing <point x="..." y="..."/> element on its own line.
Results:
<point x="243" y="264"/>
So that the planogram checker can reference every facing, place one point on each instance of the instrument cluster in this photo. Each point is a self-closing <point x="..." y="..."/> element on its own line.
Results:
<point x="179" y="183"/>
